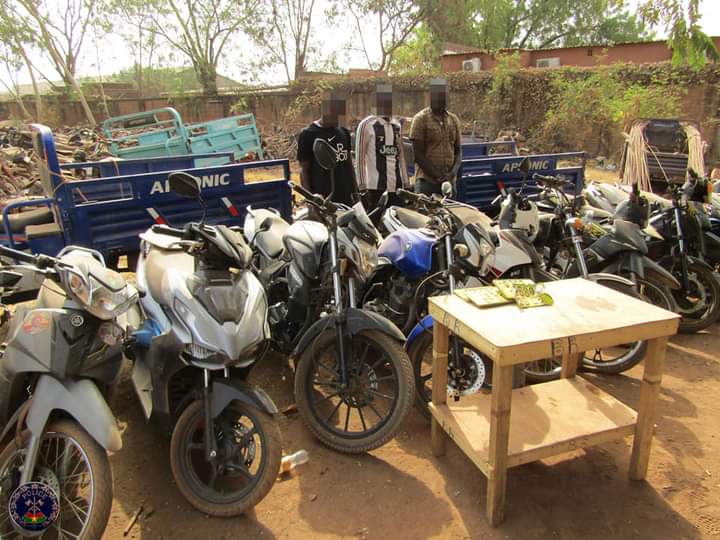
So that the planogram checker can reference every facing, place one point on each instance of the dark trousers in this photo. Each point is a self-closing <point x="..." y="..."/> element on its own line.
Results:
<point x="426" y="187"/>
<point x="371" y="199"/>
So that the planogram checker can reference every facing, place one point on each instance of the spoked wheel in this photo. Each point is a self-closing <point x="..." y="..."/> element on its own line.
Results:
<point x="473" y="373"/>
<point x="700" y="304"/>
<point x="76" y="468"/>
<point x="249" y="450"/>
<point x="366" y="412"/>
<point x="606" y="360"/>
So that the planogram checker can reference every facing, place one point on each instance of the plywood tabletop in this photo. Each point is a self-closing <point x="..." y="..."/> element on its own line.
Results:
<point x="592" y="315"/>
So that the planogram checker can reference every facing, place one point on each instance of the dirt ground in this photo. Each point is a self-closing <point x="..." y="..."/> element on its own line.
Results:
<point x="400" y="491"/>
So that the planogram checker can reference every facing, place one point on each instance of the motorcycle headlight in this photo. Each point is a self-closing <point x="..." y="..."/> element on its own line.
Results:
<point x="485" y="248"/>
<point x="79" y="287"/>
<point x="368" y="257"/>
<point x="106" y="303"/>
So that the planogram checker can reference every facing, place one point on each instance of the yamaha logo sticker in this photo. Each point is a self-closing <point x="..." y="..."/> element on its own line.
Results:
<point x="33" y="508"/>
<point x="77" y="320"/>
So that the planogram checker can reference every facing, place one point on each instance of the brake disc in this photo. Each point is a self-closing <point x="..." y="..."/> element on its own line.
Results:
<point x="472" y="378"/>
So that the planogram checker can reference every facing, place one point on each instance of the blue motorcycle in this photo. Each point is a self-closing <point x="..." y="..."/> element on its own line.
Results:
<point x="426" y="253"/>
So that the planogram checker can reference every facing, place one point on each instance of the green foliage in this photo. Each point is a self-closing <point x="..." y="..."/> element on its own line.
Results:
<point x="598" y="107"/>
<point x="419" y="55"/>
<point x="158" y="81"/>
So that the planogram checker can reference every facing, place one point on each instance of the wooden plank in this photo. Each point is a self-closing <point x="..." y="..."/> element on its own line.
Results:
<point x="649" y="392"/>
<point x="546" y="419"/>
<point x="441" y="339"/>
<point x="501" y="400"/>
<point x="570" y="364"/>
<point x="596" y="316"/>
<point x="454" y="431"/>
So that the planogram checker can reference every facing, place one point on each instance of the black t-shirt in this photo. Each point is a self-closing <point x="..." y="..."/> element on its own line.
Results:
<point x="339" y="139"/>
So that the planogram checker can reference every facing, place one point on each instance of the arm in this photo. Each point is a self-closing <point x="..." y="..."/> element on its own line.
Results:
<point x="457" y="161"/>
<point x="360" y="155"/>
<point x="305" y="175"/>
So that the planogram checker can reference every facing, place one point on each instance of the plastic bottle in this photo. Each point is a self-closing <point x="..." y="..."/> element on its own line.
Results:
<point x="293" y="461"/>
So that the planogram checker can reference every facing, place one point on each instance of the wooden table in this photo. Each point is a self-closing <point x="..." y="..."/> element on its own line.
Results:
<point x="554" y="417"/>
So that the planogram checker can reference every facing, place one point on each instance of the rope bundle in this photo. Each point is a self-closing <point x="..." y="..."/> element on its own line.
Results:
<point x="635" y="169"/>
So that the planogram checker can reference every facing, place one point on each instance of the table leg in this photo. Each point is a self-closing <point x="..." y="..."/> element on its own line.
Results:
<point x="649" y="392"/>
<point x="570" y="364"/>
<point x="441" y="339"/>
<point x="499" y="436"/>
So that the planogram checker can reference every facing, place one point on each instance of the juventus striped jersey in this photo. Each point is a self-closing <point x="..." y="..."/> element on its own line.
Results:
<point x="379" y="157"/>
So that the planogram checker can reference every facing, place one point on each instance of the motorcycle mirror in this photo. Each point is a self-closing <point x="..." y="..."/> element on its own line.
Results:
<point x="184" y="184"/>
<point x="447" y="189"/>
<point x="324" y="154"/>
<point x="8" y="278"/>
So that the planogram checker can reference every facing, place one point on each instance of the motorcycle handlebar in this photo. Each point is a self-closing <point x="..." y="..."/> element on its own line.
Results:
<point x="18" y="255"/>
<point x="170" y="231"/>
<point x="310" y="196"/>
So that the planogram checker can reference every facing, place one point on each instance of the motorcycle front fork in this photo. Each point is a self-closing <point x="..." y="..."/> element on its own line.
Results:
<point x="340" y="319"/>
<point x="210" y="441"/>
<point x="454" y="358"/>
<point x="683" y="255"/>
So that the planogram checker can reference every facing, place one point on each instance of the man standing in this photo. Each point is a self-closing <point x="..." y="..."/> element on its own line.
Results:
<point x="435" y="135"/>
<point x="312" y="176"/>
<point x="379" y="152"/>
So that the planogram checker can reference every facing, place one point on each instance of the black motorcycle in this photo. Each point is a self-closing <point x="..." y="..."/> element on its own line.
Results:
<point x="353" y="379"/>
<point x="682" y="251"/>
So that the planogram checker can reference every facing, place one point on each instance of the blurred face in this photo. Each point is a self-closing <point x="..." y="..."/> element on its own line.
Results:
<point x="332" y="111"/>
<point x="438" y="97"/>
<point x="384" y="103"/>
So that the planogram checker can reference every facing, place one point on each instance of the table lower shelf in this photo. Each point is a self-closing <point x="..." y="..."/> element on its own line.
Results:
<point x="546" y="419"/>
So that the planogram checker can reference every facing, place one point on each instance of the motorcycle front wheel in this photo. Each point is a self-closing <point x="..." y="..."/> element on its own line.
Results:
<point x="365" y="413"/>
<point x="249" y="450"/>
<point x="610" y="360"/>
<point x="700" y="304"/>
<point x="75" y="467"/>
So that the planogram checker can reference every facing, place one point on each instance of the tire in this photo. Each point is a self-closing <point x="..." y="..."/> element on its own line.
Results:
<point x="210" y="501"/>
<point x="656" y="294"/>
<point x="549" y="369"/>
<point x="310" y="399"/>
<point x="700" y="277"/>
<point x="99" y="464"/>
<point x="418" y="353"/>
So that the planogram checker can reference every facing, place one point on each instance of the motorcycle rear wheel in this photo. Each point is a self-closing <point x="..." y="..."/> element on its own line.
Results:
<point x="380" y="389"/>
<point x="242" y="471"/>
<point x="91" y="499"/>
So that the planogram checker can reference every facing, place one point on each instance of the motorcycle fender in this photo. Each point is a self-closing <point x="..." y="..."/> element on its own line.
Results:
<point x="426" y="324"/>
<point x="712" y="240"/>
<point x="226" y="391"/>
<point x="660" y="274"/>
<point x="358" y="320"/>
<point x="83" y="401"/>
<point x="601" y="276"/>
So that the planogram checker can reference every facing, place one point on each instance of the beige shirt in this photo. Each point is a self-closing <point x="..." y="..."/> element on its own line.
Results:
<point x="441" y="134"/>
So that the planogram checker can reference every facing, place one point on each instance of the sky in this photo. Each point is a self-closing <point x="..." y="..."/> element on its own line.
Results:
<point x="105" y="55"/>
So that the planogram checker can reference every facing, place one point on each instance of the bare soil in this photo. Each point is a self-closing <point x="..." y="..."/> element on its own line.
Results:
<point x="400" y="491"/>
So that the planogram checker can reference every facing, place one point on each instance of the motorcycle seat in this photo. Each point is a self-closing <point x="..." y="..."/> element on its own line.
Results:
<point x="20" y="220"/>
<point x="410" y="218"/>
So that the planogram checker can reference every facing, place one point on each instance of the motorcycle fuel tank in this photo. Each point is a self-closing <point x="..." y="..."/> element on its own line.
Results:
<point x="304" y="241"/>
<point x="410" y="250"/>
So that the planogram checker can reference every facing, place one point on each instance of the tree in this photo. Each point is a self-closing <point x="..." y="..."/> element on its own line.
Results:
<point x="534" y="24"/>
<point x="419" y="54"/>
<point x="16" y="37"/>
<point x="134" y="24"/>
<point x="687" y="41"/>
<point x="61" y="28"/>
<point x="200" y="30"/>
<point x="395" y="22"/>
<point x="283" y="28"/>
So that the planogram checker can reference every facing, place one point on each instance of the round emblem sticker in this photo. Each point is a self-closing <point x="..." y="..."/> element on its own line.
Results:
<point x="33" y="507"/>
<point x="77" y="320"/>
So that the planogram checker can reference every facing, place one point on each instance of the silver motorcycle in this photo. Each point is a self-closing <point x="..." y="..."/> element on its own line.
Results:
<point x="60" y="359"/>
<point x="206" y="327"/>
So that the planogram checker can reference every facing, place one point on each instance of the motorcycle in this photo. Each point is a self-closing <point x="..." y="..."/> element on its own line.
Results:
<point x="206" y="327"/>
<point x="681" y="250"/>
<point x="60" y="358"/>
<point x="453" y="247"/>
<point x="353" y="379"/>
